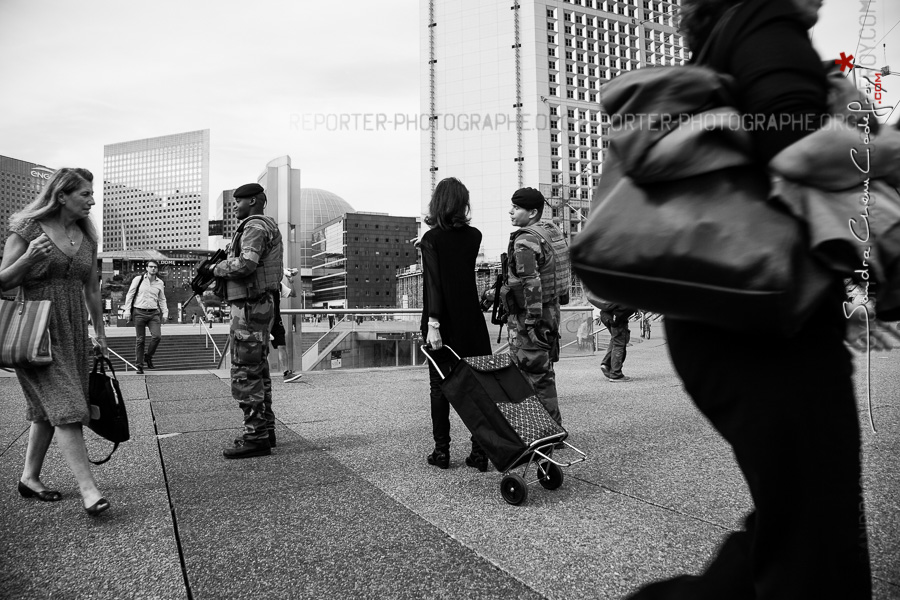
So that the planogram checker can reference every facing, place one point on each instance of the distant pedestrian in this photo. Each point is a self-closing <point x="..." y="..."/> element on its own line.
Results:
<point x="536" y="282"/>
<point x="145" y="303"/>
<point x="330" y="321"/>
<point x="615" y="318"/>
<point x="252" y="275"/>
<point x="194" y="320"/>
<point x="452" y="314"/>
<point x="278" y="330"/>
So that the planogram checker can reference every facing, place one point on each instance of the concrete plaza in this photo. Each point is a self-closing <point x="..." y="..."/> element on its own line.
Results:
<point x="346" y="506"/>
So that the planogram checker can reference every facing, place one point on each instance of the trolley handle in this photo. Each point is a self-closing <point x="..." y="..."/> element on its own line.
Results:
<point x="434" y="362"/>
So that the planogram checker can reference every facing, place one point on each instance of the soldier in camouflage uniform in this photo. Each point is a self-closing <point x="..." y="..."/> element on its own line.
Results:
<point x="534" y="313"/>
<point x="252" y="274"/>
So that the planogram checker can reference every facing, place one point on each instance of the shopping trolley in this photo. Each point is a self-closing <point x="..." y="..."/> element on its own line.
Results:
<point x="506" y="418"/>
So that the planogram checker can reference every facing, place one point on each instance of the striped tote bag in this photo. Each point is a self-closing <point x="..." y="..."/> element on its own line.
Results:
<point x="24" y="333"/>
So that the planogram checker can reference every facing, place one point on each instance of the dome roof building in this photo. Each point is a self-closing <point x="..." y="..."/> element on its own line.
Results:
<point x="298" y="210"/>
<point x="317" y="207"/>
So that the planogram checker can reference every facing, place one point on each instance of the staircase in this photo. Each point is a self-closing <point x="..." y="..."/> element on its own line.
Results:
<point x="174" y="353"/>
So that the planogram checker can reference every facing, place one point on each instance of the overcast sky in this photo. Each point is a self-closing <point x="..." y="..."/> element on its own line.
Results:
<point x="78" y="75"/>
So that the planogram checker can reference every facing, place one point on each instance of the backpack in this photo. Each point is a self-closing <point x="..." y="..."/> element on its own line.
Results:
<point x="561" y="277"/>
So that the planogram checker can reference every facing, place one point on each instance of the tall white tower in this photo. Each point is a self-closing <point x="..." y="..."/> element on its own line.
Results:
<point x="513" y="91"/>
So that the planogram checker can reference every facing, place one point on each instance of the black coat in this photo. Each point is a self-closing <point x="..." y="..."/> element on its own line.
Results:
<point x="450" y="294"/>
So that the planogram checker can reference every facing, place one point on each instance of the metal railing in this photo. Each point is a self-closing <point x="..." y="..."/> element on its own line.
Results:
<point x="217" y="354"/>
<point x="365" y="322"/>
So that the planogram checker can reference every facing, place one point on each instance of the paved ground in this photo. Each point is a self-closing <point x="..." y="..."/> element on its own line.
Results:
<point x="347" y="507"/>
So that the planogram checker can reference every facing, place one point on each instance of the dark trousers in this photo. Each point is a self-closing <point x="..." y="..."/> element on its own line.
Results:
<point x="787" y="408"/>
<point x="440" y="413"/>
<point x="251" y="383"/>
<point x="143" y="320"/>
<point x="440" y="410"/>
<point x="618" y="346"/>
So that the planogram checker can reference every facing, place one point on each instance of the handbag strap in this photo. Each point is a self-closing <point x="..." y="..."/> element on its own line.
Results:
<point x="104" y="362"/>
<point x="704" y="52"/>
<point x="111" y="452"/>
<point x="136" y="290"/>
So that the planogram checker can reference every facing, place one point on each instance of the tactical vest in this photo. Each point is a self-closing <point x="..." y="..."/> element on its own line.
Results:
<point x="556" y="272"/>
<point x="269" y="271"/>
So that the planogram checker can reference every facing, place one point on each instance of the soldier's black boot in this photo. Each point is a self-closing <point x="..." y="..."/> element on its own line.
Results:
<point x="248" y="449"/>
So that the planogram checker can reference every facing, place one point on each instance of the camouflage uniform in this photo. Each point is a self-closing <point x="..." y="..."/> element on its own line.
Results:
<point x="533" y="324"/>
<point x="252" y="273"/>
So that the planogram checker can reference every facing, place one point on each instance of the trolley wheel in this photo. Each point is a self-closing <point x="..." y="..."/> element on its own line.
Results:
<point x="514" y="489"/>
<point x="553" y="478"/>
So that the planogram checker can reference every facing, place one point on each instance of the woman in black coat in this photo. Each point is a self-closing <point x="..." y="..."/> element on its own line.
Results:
<point x="452" y="313"/>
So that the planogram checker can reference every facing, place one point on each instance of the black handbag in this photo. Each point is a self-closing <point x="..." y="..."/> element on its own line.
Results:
<point x="109" y="418"/>
<point x="682" y="222"/>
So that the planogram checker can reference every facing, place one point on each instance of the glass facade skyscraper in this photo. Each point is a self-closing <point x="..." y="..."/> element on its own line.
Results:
<point x="156" y="193"/>
<point x="20" y="183"/>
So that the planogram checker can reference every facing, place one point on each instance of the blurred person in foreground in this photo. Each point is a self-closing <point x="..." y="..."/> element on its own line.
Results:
<point x="786" y="406"/>
<point x="252" y="278"/>
<point x="452" y="313"/>
<point x="51" y="252"/>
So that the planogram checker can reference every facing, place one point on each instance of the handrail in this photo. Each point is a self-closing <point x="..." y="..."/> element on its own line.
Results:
<point x="389" y="311"/>
<point x="209" y="338"/>
<point x="117" y="355"/>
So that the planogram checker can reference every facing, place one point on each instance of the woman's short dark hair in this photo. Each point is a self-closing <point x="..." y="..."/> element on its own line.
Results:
<point x="697" y="18"/>
<point x="449" y="206"/>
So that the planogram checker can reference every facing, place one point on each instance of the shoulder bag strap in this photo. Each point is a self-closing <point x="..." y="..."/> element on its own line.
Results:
<point x="704" y="52"/>
<point x="134" y="298"/>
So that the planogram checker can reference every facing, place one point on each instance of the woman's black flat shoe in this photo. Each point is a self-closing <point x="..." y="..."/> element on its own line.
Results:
<point x="97" y="507"/>
<point x="45" y="496"/>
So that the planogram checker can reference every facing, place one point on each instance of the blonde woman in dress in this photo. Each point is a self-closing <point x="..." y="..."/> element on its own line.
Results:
<point x="51" y="252"/>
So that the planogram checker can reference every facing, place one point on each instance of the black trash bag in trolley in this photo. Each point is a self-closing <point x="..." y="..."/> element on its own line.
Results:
<point x="497" y="404"/>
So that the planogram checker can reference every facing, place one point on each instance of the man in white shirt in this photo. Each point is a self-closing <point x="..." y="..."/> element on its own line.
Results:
<point x="146" y="304"/>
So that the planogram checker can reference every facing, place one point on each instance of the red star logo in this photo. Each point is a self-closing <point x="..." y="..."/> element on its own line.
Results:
<point x="845" y="62"/>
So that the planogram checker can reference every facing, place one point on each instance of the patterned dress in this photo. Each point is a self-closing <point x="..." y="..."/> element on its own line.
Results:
<point x="58" y="392"/>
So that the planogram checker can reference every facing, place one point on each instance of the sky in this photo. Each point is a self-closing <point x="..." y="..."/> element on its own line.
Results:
<point x="268" y="78"/>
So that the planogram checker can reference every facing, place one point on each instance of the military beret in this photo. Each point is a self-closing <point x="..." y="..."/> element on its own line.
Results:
<point x="248" y="190"/>
<point x="528" y="198"/>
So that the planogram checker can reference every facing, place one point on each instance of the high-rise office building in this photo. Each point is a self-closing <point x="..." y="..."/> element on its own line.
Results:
<point x="513" y="91"/>
<point x="20" y="183"/>
<point x="156" y="193"/>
